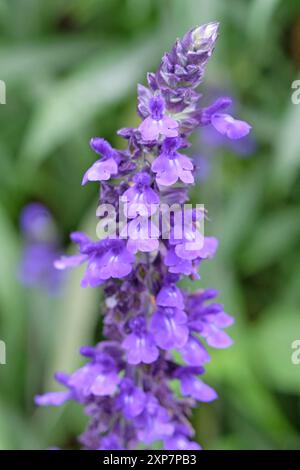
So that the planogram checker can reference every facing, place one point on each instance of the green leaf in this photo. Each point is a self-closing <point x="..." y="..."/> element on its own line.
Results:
<point x="15" y="434"/>
<point x="273" y="237"/>
<point x="239" y="216"/>
<point x="287" y="150"/>
<point x="28" y="62"/>
<point x="12" y="305"/>
<point x="247" y="393"/>
<point x="272" y="354"/>
<point x="190" y="13"/>
<point x="259" y="19"/>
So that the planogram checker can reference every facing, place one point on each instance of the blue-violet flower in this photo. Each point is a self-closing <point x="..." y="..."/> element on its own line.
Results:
<point x="126" y="386"/>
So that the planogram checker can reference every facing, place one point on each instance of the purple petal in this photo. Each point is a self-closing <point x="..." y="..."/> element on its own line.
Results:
<point x="196" y="388"/>
<point x="167" y="173"/>
<point x="52" y="398"/>
<point x="105" y="384"/>
<point x="69" y="261"/>
<point x="101" y="170"/>
<point x="80" y="239"/>
<point x="169" y="328"/>
<point x="149" y="129"/>
<point x="157" y="107"/>
<point x="217" y="338"/>
<point x="145" y="246"/>
<point x="169" y="127"/>
<point x="223" y="320"/>
<point x="111" y="442"/>
<point x="180" y="442"/>
<point x="194" y="353"/>
<point x="110" y="265"/>
<point x="140" y="349"/>
<point x="209" y="248"/>
<point x="144" y="96"/>
<point x="232" y="128"/>
<point x="219" y="105"/>
<point x="170" y="296"/>
<point x="185" y="162"/>
<point x="131" y="399"/>
<point x="92" y="276"/>
<point x="101" y="146"/>
<point x="178" y="265"/>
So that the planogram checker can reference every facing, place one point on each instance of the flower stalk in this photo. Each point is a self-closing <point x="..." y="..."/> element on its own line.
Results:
<point x="156" y="332"/>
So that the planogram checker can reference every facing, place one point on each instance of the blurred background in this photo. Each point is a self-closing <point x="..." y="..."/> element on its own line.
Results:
<point x="71" y="69"/>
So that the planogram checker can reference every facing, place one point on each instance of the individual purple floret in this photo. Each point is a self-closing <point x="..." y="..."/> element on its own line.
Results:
<point x="139" y="344"/>
<point x="158" y="122"/>
<point x="226" y="133"/>
<point x="140" y="198"/>
<point x="102" y="169"/>
<point x="106" y="259"/>
<point x="169" y="327"/>
<point x="227" y="125"/>
<point x="127" y="384"/>
<point x="131" y="400"/>
<point x="171" y="166"/>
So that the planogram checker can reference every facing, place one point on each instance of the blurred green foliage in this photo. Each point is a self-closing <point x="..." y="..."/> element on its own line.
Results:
<point x="71" y="69"/>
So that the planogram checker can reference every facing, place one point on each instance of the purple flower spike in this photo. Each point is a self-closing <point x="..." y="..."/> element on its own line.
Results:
<point x="158" y="123"/>
<point x="151" y="325"/>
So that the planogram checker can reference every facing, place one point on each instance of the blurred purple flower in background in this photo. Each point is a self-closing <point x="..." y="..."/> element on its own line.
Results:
<point x="41" y="249"/>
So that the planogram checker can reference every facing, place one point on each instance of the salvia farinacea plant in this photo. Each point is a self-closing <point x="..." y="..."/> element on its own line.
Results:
<point x="140" y="384"/>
